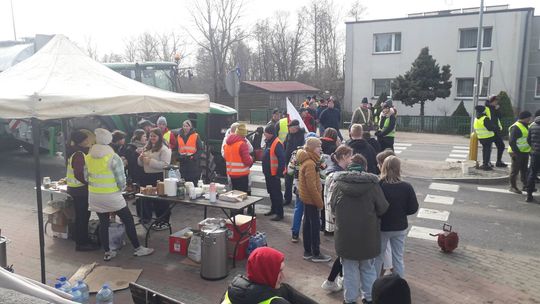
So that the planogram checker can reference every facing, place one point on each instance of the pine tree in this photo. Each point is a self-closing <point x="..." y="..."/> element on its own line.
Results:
<point x="505" y="105"/>
<point x="423" y="82"/>
<point x="460" y="111"/>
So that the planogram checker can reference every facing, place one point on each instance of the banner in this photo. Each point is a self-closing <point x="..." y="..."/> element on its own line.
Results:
<point x="293" y="114"/>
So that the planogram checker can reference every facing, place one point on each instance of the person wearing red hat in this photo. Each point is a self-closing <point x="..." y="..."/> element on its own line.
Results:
<point x="263" y="282"/>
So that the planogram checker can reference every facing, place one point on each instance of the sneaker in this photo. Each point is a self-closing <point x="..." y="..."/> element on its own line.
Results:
<point x="339" y="281"/>
<point x="514" y="190"/>
<point x="294" y="238"/>
<point x="529" y="199"/>
<point x="366" y="301"/>
<point x="501" y="165"/>
<point x="307" y="255"/>
<point x="142" y="251"/>
<point x="485" y="168"/>
<point x="160" y="226"/>
<point x="321" y="258"/>
<point x="109" y="255"/>
<point x="331" y="286"/>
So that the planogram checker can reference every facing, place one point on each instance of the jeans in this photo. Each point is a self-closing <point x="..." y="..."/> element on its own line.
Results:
<point x="397" y="242"/>
<point x="486" y="149"/>
<point x="358" y="276"/>
<point x="533" y="171"/>
<point x="520" y="161"/>
<point x="297" y="218"/>
<point x="312" y="229"/>
<point x="127" y="219"/>
<point x="288" y="188"/>
<point x="273" y="187"/>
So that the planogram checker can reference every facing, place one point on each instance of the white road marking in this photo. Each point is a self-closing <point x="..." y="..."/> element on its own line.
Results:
<point x="497" y="190"/>
<point x="453" y="160"/>
<point x="399" y="148"/>
<point x="461" y="147"/>
<point x="402" y="144"/>
<point x="423" y="233"/>
<point x="444" y="187"/>
<point x="439" y="199"/>
<point x="465" y="152"/>
<point x="459" y="155"/>
<point x="397" y="151"/>
<point x="256" y="168"/>
<point x="433" y="214"/>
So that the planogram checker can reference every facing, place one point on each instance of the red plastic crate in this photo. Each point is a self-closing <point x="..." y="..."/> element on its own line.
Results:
<point x="242" y="223"/>
<point x="178" y="243"/>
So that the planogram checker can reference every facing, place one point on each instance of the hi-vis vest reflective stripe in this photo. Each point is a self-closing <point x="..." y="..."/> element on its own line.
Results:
<point x="187" y="148"/>
<point x="167" y="137"/>
<point x="100" y="178"/>
<point x="227" y="301"/>
<point x="521" y="142"/>
<point x="235" y="165"/>
<point x="274" y="162"/>
<point x="480" y="128"/>
<point x="385" y="126"/>
<point x="71" y="180"/>
<point x="488" y="114"/>
<point x="283" y="128"/>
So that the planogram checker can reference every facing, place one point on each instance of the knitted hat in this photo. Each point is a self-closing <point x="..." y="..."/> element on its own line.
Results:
<point x="161" y="120"/>
<point x="524" y="114"/>
<point x="103" y="136"/>
<point x="144" y="122"/>
<point x="294" y="123"/>
<point x="480" y="109"/>
<point x="388" y="103"/>
<point x="241" y="130"/>
<point x="270" y="129"/>
<point x="391" y="289"/>
<point x="364" y="100"/>
<point x="311" y="134"/>
<point x="312" y="143"/>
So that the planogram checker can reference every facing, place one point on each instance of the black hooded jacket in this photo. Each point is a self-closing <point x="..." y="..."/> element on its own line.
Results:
<point x="361" y="146"/>
<point x="243" y="291"/>
<point x="534" y="136"/>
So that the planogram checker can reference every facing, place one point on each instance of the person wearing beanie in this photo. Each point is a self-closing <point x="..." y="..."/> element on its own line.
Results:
<point x="146" y="125"/>
<point x="357" y="202"/>
<point x="238" y="160"/>
<point x="190" y="148"/>
<point x="391" y="289"/>
<point x="133" y="149"/>
<point x="118" y="144"/>
<point x="533" y="139"/>
<point x="519" y="150"/>
<point x="263" y="282"/>
<point x="295" y="138"/>
<point x="387" y="126"/>
<point x="331" y="118"/>
<point x="104" y="171"/>
<point x="485" y="131"/>
<point x="273" y="166"/>
<point x="493" y="113"/>
<point x="310" y="193"/>
<point x="77" y="188"/>
<point x="168" y="135"/>
<point x="361" y="146"/>
<point x="362" y="115"/>
<point x="308" y="120"/>
<point x="232" y="130"/>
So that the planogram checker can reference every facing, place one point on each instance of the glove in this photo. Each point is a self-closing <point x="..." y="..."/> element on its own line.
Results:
<point x="378" y="133"/>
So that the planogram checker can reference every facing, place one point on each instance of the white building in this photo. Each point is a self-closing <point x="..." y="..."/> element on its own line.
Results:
<point x="379" y="50"/>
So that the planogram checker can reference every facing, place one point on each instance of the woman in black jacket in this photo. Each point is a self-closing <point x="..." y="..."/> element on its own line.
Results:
<point x="402" y="199"/>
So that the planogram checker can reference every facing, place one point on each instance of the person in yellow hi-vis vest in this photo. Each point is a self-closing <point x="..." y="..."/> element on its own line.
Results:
<point x="282" y="128"/>
<point x="519" y="150"/>
<point x="77" y="188"/>
<point x="262" y="283"/>
<point x="104" y="171"/>
<point x="485" y="131"/>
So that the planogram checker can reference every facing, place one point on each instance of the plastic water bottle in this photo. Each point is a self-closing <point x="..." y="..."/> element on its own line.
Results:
<point x="172" y="174"/>
<point x="85" y="293"/>
<point x="58" y="286"/>
<point x="105" y="295"/>
<point x="76" y="295"/>
<point x="66" y="286"/>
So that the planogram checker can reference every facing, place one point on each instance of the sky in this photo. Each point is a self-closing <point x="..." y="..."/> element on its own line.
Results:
<point x="107" y="24"/>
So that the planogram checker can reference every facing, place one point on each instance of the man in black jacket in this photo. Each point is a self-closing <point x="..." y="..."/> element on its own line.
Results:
<point x="331" y="118"/>
<point x="492" y="112"/>
<point x="295" y="138"/>
<point x="361" y="146"/>
<point x="519" y="150"/>
<point x="534" y="141"/>
<point x="485" y="131"/>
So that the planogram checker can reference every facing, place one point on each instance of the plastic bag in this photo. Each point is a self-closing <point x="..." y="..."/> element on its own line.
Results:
<point x="255" y="241"/>
<point x="194" y="249"/>
<point x="117" y="231"/>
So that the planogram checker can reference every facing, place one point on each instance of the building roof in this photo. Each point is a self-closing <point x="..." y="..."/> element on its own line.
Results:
<point x="282" y="86"/>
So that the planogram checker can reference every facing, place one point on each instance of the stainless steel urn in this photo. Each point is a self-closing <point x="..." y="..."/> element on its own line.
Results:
<point x="214" y="253"/>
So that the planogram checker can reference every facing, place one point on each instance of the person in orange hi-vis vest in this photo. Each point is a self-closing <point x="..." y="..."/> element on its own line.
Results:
<point x="273" y="165"/>
<point x="238" y="160"/>
<point x="168" y="135"/>
<point x="190" y="148"/>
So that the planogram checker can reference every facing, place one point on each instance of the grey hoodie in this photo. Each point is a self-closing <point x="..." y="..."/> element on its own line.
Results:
<point x="358" y="202"/>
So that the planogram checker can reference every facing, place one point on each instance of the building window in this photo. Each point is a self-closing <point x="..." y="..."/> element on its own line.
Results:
<point x="382" y="86"/>
<point x="468" y="37"/>
<point x="537" y="91"/>
<point x="465" y="87"/>
<point x="387" y="43"/>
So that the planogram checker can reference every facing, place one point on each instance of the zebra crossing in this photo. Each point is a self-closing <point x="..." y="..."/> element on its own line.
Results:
<point x="458" y="154"/>
<point x="434" y="214"/>
<point x="400" y="147"/>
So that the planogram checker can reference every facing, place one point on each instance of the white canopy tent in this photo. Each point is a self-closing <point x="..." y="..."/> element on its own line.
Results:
<point x="60" y="81"/>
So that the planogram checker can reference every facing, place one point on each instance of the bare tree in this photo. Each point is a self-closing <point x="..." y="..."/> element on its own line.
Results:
<point x="263" y="64"/>
<point x="217" y="21"/>
<point x="357" y="10"/>
<point x="91" y="48"/>
<point x="130" y="49"/>
<point x="170" y="44"/>
<point x="147" y="47"/>
<point x="287" y="46"/>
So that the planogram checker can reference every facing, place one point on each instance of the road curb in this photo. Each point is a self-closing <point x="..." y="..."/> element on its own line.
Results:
<point x="469" y="180"/>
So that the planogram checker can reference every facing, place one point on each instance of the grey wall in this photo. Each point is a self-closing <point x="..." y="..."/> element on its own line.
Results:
<point x="531" y="102"/>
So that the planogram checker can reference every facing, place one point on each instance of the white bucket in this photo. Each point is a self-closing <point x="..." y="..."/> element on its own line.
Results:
<point x="467" y="166"/>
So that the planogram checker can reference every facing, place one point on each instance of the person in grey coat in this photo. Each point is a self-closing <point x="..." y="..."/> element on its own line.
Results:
<point x="358" y="202"/>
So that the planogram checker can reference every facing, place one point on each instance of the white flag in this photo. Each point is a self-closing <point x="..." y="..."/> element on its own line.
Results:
<point x="293" y="114"/>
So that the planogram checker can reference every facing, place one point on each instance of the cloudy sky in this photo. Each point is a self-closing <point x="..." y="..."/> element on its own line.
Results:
<point x="109" y="23"/>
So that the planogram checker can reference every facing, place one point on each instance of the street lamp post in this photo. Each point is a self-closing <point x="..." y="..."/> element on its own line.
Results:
<point x="478" y="79"/>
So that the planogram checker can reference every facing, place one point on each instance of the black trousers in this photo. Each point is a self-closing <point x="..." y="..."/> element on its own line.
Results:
<point x="288" y="188"/>
<point x="337" y="269"/>
<point x="520" y="161"/>
<point x="500" y="147"/>
<point x="311" y="229"/>
<point x="533" y="172"/>
<point x="273" y="187"/>
<point x="127" y="219"/>
<point x="82" y="215"/>
<point x="241" y="184"/>
<point x="486" y="149"/>
<point x="161" y="208"/>
<point x="386" y="142"/>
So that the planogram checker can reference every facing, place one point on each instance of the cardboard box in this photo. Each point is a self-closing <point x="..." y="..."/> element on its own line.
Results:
<point x="242" y="223"/>
<point x="179" y="241"/>
<point x="59" y="216"/>
<point x="60" y="231"/>
<point x="241" y="252"/>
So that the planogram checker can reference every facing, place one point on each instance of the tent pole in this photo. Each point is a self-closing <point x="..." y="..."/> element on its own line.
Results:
<point x="36" y="131"/>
